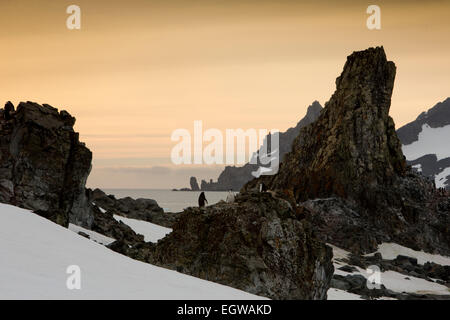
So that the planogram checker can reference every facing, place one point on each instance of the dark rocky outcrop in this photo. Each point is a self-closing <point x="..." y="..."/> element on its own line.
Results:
<point x="43" y="165"/>
<point x="139" y="209"/>
<point x="234" y="178"/>
<point x="258" y="244"/>
<point x="348" y="172"/>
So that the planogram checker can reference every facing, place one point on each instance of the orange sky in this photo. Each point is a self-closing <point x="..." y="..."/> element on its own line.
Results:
<point x="139" y="69"/>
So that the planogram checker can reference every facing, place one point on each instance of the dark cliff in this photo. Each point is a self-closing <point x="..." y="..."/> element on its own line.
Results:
<point x="43" y="165"/>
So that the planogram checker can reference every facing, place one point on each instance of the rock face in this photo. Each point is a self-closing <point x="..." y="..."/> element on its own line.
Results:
<point x="348" y="172"/>
<point x="235" y="178"/>
<point x="139" y="209"/>
<point x="257" y="244"/>
<point x="425" y="139"/>
<point x="43" y="165"/>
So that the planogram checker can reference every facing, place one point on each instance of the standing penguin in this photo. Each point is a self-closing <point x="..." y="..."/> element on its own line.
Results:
<point x="262" y="187"/>
<point x="202" y="200"/>
<point x="230" y="196"/>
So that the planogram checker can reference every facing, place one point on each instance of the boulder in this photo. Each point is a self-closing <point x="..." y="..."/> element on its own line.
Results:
<point x="43" y="164"/>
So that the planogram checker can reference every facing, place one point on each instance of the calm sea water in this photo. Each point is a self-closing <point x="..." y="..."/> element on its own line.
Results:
<point x="171" y="201"/>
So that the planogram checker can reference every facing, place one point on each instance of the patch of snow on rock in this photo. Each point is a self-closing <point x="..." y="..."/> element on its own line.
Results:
<point x="440" y="178"/>
<point x="390" y="251"/>
<point x="151" y="232"/>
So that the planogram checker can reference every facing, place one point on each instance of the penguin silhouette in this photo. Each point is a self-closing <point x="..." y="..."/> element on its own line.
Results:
<point x="202" y="200"/>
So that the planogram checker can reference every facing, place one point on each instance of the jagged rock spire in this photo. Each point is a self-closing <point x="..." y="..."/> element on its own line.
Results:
<point x="352" y="149"/>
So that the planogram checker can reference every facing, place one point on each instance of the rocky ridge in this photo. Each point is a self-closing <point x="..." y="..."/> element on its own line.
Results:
<point x="258" y="244"/>
<point x="139" y="209"/>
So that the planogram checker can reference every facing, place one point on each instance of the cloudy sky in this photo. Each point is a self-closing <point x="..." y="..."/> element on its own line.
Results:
<point x="140" y="69"/>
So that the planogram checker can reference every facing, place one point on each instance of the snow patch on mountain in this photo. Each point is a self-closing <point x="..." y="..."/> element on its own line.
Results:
<point x="36" y="254"/>
<point x="429" y="142"/>
<point x="441" y="178"/>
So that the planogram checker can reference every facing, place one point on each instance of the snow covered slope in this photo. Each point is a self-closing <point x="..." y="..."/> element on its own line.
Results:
<point x="35" y="254"/>
<point x="426" y="143"/>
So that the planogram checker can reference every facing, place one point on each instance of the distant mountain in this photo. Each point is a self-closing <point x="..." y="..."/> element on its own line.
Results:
<point x="426" y="143"/>
<point x="235" y="177"/>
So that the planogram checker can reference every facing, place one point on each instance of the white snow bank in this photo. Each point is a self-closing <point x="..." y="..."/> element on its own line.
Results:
<point x="151" y="232"/>
<point x="431" y="141"/>
<point x="390" y="251"/>
<point x="94" y="236"/>
<point x="397" y="282"/>
<point x="35" y="254"/>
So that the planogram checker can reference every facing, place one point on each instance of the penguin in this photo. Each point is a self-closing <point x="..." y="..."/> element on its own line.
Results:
<point x="262" y="187"/>
<point x="202" y="200"/>
<point x="230" y="196"/>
